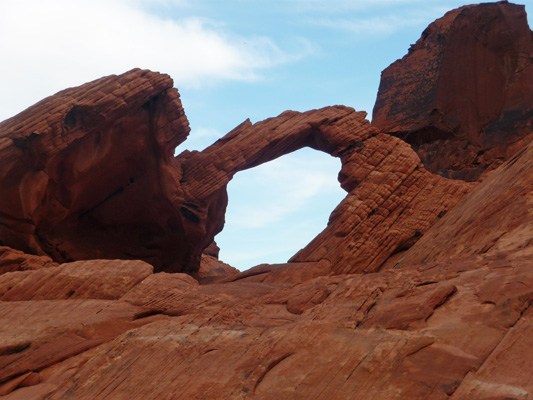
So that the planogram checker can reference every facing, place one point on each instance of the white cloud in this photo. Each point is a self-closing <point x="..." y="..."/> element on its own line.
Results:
<point x="383" y="6"/>
<point x="336" y="5"/>
<point x="49" y="45"/>
<point x="392" y="19"/>
<point x="277" y="208"/>
<point x="275" y="190"/>
<point x="371" y="17"/>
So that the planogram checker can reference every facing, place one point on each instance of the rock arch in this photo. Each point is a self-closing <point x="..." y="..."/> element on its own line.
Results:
<point x="391" y="199"/>
<point x="278" y="207"/>
<point x="89" y="173"/>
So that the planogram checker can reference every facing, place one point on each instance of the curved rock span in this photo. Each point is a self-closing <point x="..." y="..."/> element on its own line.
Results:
<point x="389" y="192"/>
<point x="91" y="175"/>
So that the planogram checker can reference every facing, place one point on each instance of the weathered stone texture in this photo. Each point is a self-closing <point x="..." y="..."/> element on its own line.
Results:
<point x="88" y="172"/>
<point x="462" y="96"/>
<point x="496" y="217"/>
<point x="420" y="287"/>
<point x="95" y="279"/>
<point x="418" y="332"/>
<point x="15" y="260"/>
<point x="391" y="204"/>
<point x="389" y="192"/>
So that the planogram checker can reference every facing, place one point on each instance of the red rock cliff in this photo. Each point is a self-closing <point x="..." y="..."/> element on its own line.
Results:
<point x="90" y="173"/>
<point x="463" y="95"/>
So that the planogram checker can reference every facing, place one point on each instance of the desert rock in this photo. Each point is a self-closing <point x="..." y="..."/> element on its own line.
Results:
<point x="389" y="192"/>
<point x="88" y="173"/>
<point x="462" y="96"/>
<point x="15" y="260"/>
<point x="420" y="287"/>
<point x="113" y="189"/>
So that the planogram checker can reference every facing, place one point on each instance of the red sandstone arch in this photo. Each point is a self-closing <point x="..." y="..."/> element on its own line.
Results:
<point x="89" y="173"/>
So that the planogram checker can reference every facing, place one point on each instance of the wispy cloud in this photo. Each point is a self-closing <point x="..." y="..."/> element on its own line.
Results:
<point x="49" y="45"/>
<point x="369" y="17"/>
<point x="281" y="188"/>
<point x="383" y="6"/>
<point x="278" y="208"/>
<point x="384" y="25"/>
<point x="336" y="6"/>
<point x="390" y="20"/>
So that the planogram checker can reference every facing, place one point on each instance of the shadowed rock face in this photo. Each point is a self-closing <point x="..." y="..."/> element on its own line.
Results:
<point x="88" y="172"/>
<point x="463" y="95"/>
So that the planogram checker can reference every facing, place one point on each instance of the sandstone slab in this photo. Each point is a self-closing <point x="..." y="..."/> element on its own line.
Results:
<point x="94" y="279"/>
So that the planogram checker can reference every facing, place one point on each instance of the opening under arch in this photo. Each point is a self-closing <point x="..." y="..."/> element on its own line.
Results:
<point x="277" y="208"/>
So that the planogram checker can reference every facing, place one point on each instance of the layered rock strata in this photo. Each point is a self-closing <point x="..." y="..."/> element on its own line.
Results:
<point x="15" y="260"/>
<point x="89" y="173"/>
<point x="424" y="331"/>
<point x="453" y="327"/>
<point x="463" y="95"/>
<point x="391" y="199"/>
<point x="496" y="218"/>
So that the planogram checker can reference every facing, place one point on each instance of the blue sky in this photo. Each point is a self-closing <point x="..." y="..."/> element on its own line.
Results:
<point x="230" y="60"/>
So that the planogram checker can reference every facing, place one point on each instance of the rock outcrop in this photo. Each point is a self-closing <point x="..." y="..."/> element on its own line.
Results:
<point x="15" y="260"/>
<point x="463" y="95"/>
<point x="389" y="192"/>
<point x="423" y="331"/>
<point x="88" y="173"/>
<point x="495" y="218"/>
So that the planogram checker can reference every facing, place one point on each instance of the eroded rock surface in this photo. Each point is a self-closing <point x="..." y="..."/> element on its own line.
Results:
<point x="463" y="95"/>
<point x="96" y="178"/>
<point x="495" y="218"/>
<point x="88" y="173"/>
<point x="96" y="279"/>
<point x="15" y="260"/>
<point x="389" y="192"/>
<point x="423" y="331"/>
<point x="419" y="288"/>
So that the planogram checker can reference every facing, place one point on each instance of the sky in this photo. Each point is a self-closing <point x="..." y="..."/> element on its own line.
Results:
<point x="230" y="60"/>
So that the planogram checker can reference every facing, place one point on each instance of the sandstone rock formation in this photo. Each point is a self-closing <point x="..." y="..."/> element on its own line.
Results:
<point x="420" y="287"/>
<point x="494" y="219"/>
<point x="463" y="95"/>
<point x="389" y="192"/>
<point x="87" y="173"/>
<point x="14" y="260"/>
<point x="91" y="174"/>
<point x="423" y="331"/>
